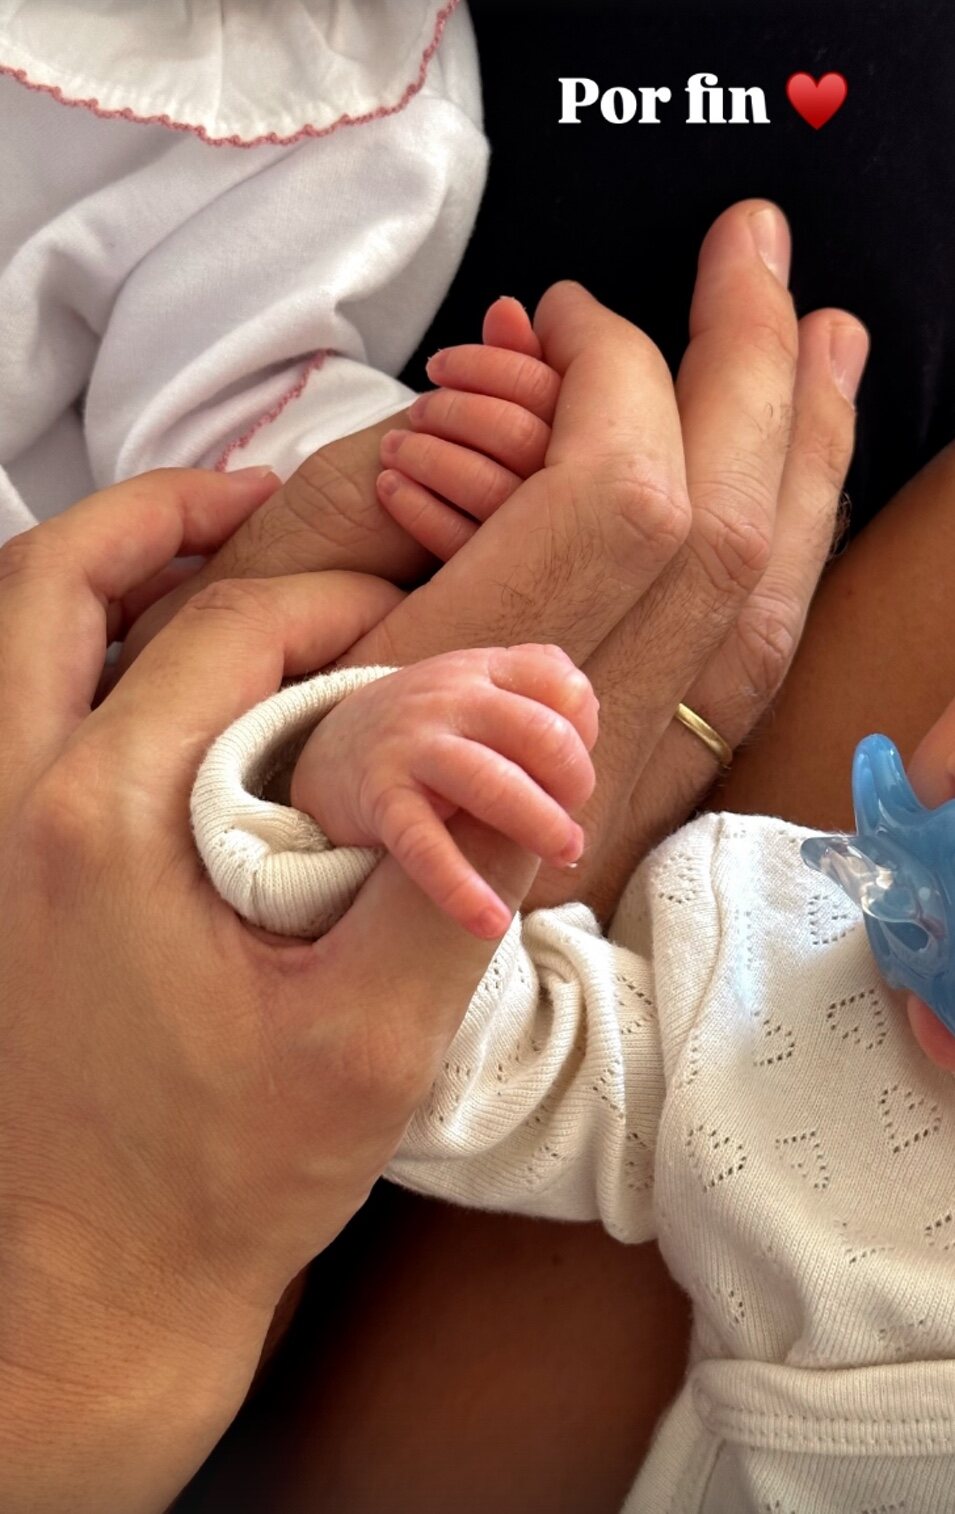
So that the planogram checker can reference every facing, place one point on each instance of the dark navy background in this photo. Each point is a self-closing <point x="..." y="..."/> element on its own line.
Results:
<point x="870" y="196"/>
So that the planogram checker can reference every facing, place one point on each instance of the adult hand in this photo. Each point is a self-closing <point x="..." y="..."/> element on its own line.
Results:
<point x="325" y="516"/>
<point x="190" y="1112"/>
<point x="673" y="540"/>
<point x="671" y="544"/>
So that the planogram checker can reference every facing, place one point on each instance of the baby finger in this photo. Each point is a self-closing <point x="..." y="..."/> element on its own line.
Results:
<point x="529" y="733"/>
<point x="432" y="523"/>
<point x="469" y="480"/>
<point x="510" y="434"/>
<point x="547" y="674"/>
<point x="419" y="842"/>
<point x="500" y="794"/>
<point x="525" y="381"/>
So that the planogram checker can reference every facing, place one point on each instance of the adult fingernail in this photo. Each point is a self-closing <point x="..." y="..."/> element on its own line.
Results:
<point x="491" y="923"/>
<point x="848" y="350"/>
<point x="245" y="478"/>
<point x="771" y="239"/>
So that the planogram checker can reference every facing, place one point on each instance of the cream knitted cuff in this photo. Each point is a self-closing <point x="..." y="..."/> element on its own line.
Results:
<point x="273" y="864"/>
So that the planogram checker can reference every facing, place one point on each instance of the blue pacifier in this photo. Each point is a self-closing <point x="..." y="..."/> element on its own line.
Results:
<point x="899" y="868"/>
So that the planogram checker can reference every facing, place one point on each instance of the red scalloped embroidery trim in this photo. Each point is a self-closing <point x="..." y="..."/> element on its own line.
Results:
<point x="126" y="114"/>
<point x="314" y="363"/>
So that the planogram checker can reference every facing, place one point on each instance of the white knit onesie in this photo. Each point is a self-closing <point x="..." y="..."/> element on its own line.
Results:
<point x="225" y="227"/>
<point x="726" y="1073"/>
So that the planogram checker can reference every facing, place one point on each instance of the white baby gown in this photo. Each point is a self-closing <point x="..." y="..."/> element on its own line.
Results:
<point x="725" y="1072"/>
<point x="225" y="228"/>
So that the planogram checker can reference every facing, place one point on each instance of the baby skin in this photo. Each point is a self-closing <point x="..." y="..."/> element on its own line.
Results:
<point x="473" y="440"/>
<point x="501" y="733"/>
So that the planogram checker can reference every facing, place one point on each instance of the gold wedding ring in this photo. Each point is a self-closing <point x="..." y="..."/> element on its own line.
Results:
<point x="721" y="749"/>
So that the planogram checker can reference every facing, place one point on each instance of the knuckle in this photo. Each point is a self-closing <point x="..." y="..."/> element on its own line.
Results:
<point x="734" y="533"/>
<point x="420" y="453"/>
<point x="321" y="507"/>
<point x="775" y="339"/>
<point x="384" y="1069"/>
<point x="543" y="656"/>
<point x="768" y="633"/>
<point x="448" y="408"/>
<point x="825" y="447"/>
<point x="65" y="823"/>
<point x="486" y="489"/>
<point x="525" y="428"/>
<point x="551" y="649"/>
<point x="534" y="382"/>
<point x="377" y="799"/>
<point x="412" y="840"/>
<point x="242" y="599"/>
<point x="552" y="736"/>
<point x="650" y="508"/>
<point x="487" y="783"/>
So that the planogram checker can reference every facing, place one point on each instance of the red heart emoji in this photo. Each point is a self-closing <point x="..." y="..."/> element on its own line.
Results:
<point x="816" y="103"/>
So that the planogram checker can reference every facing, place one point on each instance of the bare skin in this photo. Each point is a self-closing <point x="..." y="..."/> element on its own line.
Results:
<point x="565" y="1409"/>
<point x="546" y="1353"/>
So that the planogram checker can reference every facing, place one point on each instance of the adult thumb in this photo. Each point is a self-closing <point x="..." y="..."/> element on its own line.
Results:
<point x="414" y="967"/>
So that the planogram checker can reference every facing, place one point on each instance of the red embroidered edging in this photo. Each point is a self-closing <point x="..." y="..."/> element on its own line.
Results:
<point x="311" y="366"/>
<point x="276" y="141"/>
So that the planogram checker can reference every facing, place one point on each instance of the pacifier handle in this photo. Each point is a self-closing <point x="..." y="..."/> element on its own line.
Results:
<point x="899" y="869"/>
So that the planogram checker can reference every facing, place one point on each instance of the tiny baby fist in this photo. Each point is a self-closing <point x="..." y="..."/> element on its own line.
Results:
<point x="500" y="429"/>
<point x="502" y="734"/>
<point x="522" y="380"/>
<point x="433" y="524"/>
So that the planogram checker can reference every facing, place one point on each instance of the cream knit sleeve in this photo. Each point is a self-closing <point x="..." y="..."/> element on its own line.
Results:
<point x="272" y="863"/>
<point x="551" y="1094"/>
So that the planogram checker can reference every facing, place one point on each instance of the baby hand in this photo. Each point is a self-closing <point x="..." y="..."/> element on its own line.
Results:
<point x="503" y="734"/>
<point x="476" y="438"/>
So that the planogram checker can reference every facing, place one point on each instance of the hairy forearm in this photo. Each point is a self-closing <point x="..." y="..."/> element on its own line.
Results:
<point x="326" y="516"/>
<point x="332" y="500"/>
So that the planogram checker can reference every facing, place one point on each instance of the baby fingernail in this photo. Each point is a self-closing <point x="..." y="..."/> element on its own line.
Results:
<point x="573" y="852"/>
<point x="419" y="409"/>
<point x="848" y="350"/>
<point x="388" y="483"/>
<point x="391" y="441"/>
<point x="771" y="239"/>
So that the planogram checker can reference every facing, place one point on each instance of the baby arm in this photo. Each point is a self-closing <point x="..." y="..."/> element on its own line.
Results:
<point x="503" y="734"/>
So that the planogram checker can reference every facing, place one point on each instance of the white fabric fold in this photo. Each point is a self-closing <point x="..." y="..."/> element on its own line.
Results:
<point x="273" y="864"/>
<point x="164" y="302"/>
<point x="233" y="69"/>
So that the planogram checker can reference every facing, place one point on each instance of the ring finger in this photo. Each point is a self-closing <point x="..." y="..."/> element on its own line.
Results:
<point x="745" y="673"/>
